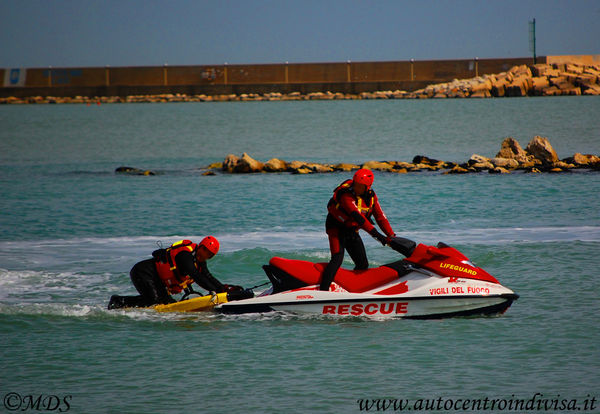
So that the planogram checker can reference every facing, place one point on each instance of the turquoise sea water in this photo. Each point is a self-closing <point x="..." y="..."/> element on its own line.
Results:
<point x="71" y="229"/>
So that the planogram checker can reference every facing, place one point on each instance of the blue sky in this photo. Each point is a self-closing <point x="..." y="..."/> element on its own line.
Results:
<point x="82" y="33"/>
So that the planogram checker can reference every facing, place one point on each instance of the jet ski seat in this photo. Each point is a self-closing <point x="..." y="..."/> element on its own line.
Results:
<point x="355" y="281"/>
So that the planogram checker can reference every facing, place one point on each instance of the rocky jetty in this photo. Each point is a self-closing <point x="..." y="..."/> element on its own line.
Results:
<point x="538" y="156"/>
<point x="524" y="80"/>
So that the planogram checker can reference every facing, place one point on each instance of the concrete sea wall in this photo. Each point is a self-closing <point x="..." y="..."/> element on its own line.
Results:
<point x="347" y="80"/>
<point x="343" y="77"/>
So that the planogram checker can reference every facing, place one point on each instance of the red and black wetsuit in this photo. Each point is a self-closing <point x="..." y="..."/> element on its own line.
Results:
<point x="349" y="213"/>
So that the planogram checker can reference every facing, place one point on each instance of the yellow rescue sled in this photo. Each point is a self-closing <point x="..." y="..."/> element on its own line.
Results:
<point x="199" y="304"/>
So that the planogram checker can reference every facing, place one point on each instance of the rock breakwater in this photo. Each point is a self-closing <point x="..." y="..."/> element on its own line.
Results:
<point x="538" y="156"/>
<point x="524" y="80"/>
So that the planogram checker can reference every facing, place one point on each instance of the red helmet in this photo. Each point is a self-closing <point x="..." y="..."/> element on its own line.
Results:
<point x="364" y="176"/>
<point x="211" y="243"/>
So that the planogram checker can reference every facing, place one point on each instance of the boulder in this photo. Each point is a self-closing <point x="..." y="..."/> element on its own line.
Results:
<point x="480" y="85"/>
<point x="518" y="87"/>
<point x="479" y="166"/>
<point x="499" y="87"/>
<point x="590" y="90"/>
<point x="295" y="165"/>
<point x="457" y="94"/>
<point x="539" y="84"/>
<point x="215" y="166"/>
<point x="422" y="159"/>
<point x="541" y="69"/>
<point x="275" y="165"/>
<point x="457" y="170"/>
<point x="481" y="94"/>
<point x="564" y="165"/>
<point x="507" y="163"/>
<point x="301" y="167"/>
<point x="377" y="165"/>
<point x="247" y="164"/>
<point x="230" y="162"/>
<point x="498" y="170"/>
<point x="318" y="168"/>
<point x="582" y="160"/>
<point x="477" y="159"/>
<point x="521" y="70"/>
<point x="541" y="149"/>
<point x="574" y="68"/>
<point x="551" y="91"/>
<point x="345" y="167"/>
<point x="585" y="79"/>
<point x="512" y="149"/>
<point x="419" y="167"/>
<point x="401" y="165"/>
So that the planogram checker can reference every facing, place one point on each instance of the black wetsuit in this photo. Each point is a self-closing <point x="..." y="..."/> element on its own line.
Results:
<point x="152" y="289"/>
<point x="342" y="238"/>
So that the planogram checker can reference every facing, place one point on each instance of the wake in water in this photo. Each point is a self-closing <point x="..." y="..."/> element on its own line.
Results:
<point x="75" y="277"/>
<point x="61" y="252"/>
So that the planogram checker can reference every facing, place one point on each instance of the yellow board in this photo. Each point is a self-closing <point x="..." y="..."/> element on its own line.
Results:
<point x="199" y="304"/>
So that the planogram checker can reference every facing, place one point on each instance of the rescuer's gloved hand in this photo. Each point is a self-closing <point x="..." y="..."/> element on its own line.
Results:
<point x="378" y="236"/>
<point x="232" y="288"/>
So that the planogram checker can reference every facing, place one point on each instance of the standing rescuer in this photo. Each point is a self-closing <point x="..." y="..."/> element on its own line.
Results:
<point x="170" y="271"/>
<point x="349" y="210"/>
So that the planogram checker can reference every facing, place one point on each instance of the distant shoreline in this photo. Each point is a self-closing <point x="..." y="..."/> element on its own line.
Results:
<point x="544" y="79"/>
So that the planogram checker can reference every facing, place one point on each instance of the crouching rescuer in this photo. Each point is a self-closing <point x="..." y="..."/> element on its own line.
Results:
<point x="172" y="271"/>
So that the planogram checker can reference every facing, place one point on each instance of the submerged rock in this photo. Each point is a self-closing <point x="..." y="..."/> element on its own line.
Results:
<point x="133" y="171"/>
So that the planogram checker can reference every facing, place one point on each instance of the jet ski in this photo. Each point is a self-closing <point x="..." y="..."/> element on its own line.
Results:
<point x="431" y="282"/>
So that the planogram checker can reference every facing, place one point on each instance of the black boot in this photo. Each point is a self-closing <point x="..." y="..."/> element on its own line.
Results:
<point x="240" y="294"/>
<point x="116" y="302"/>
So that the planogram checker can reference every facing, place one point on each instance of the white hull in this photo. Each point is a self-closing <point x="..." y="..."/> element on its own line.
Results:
<point x="423" y="295"/>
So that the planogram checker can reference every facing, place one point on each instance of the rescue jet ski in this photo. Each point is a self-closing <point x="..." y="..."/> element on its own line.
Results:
<point x="431" y="282"/>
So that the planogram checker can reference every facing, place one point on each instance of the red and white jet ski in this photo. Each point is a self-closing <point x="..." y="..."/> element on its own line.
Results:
<point x="432" y="282"/>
